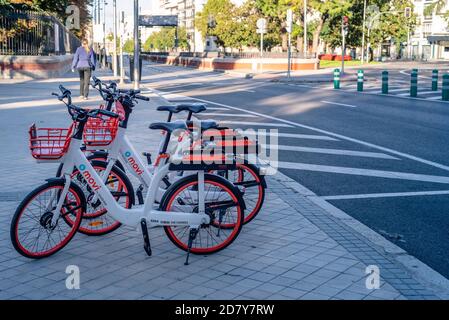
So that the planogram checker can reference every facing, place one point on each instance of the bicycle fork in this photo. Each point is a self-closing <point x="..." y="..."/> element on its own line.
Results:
<point x="61" y="200"/>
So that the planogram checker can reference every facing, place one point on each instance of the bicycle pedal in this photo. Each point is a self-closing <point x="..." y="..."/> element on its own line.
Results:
<point x="148" y="156"/>
<point x="146" y="238"/>
<point x="140" y="194"/>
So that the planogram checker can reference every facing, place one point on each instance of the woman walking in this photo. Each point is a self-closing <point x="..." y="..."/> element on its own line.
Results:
<point x="84" y="62"/>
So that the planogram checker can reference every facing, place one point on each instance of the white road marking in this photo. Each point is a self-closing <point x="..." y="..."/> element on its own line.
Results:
<point x="336" y="135"/>
<point x="385" y="195"/>
<point x="427" y="92"/>
<point x="292" y="135"/>
<point x="341" y="152"/>
<point x="213" y="114"/>
<point x="262" y="124"/>
<point x="246" y="90"/>
<point x="339" y="104"/>
<point x="398" y="90"/>
<point x="364" y="172"/>
<point x="216" y="108"/>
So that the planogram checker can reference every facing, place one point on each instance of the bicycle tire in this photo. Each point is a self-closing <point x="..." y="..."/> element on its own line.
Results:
<point x="56" y="183"/>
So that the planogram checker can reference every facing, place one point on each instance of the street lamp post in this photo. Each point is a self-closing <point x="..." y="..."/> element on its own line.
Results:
<point x="104" y="32"/>
<point x="305" y="29"/>
<point x="363" y="32"/>
<point x="122" y="71"/>
<point x="136" y="45"/>
<point x="114" y="62"/>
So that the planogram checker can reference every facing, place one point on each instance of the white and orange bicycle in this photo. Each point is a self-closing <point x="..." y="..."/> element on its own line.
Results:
<point x="119" y="156"/>
<point x="192" y="210"/>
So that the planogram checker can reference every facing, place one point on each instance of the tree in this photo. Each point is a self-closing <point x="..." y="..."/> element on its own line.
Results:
<point x="57" y="7"/>
<point x="128" y="46"/>
<point x="164" y="40"/>
<point x="218" y="18"/>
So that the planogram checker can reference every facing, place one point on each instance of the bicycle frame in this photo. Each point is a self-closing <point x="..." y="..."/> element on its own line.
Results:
<point x="132" y="217"/>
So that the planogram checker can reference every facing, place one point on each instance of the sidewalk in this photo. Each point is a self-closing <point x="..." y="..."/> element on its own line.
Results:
<point x="294" y="249"/>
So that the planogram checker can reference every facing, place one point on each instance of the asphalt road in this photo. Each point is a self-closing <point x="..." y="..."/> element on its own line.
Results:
<point x="381" y="159"/>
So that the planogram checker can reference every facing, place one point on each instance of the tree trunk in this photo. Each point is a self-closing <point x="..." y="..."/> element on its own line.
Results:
<point x="316" y="35"/>
<point x="284" y="42"/>
<point x="300" y="44"/>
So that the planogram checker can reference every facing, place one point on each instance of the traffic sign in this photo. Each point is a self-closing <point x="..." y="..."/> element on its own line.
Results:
<point x="289" y="20"/>
<point x="261" y="25"/>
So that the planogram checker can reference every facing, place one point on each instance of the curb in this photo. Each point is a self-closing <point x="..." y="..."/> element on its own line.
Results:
<point x="430" y="278"/>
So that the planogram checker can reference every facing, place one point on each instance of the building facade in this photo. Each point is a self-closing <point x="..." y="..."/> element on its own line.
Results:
<point x="430" y="39"/>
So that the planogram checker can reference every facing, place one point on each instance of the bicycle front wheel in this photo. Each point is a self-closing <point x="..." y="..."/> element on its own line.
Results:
<point x="35" y="231"/>
<point x="223" y="204"/>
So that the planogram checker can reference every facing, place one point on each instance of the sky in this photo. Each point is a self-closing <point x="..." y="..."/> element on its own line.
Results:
<point x="122" y="5"/>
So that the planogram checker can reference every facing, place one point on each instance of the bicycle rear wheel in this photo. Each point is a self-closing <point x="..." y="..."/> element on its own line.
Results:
<point x="33" y="234"/>
<point x="96" y="219"/>
<point x="246" y="176"/>
<point x="223" y="203"/>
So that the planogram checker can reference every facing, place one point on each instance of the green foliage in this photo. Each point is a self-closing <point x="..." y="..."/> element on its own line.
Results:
<point x="56" y="7"/>
<point x="128" y="46"/>
<point x="235" y="26"/>
<point x="164" y="40"/>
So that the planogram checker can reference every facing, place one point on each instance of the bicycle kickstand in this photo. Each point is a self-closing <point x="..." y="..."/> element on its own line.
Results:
<point x="192" y="235"/>
<point x="146" y="238"/>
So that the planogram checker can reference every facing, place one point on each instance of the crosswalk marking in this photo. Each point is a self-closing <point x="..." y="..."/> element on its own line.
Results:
<point x="385" y="195"/>
<point x="341" y="152"/>
<point x="364" y="172"/>
<point x="215" y="108"/>
<point x="227" y="115"/>
<point x="398" y="90"/>
<point x="263" y="124"/>
<point x="427" y="92"/>
<point x="291" y="135"/>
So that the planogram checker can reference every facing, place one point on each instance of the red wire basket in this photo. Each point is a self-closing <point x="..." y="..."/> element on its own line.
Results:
<point x="49" y="143"/>
<point x="99" y="132"/>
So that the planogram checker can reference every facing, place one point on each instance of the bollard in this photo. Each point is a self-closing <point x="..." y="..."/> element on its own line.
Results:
<point x="385" y="82"/>
<point x="434" y="80"/>
<point x="360" y="80"/>
<point x="414" y="83"/>
<point x="445" y="94"/>
<point x="337" y="78"/>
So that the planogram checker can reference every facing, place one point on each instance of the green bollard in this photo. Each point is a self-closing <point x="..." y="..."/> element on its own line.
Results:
<point x="360" y="80"/>
<point x="337" y="78"/>
<point x="385" y="82"/>
<point x="434" y="80"/>
<point x="414" y="83"/>
<point x="445" y="94"/>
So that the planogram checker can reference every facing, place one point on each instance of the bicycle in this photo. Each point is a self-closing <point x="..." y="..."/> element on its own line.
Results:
<point x="189" y="210"/>
<point x="122" y="153"/>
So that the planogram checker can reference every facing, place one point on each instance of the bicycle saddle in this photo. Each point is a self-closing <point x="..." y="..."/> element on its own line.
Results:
<point x="205" y="124"/>
<point x="192" y="107"/>
<point x="169" y="126"/>
<point x="172" y="109"/>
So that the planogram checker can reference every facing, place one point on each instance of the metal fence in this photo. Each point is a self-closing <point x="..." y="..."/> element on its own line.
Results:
<point x="237" y="55"/>
<point x="34" y="33"/>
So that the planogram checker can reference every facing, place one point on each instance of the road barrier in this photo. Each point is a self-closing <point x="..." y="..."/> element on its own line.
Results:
<point x="434" y="80"/>
<point x="360" y="80"/>
<point x="385" y="82"/>
<point x="414" y="83"/>
<point x="337" y="78"/>
<point x="445" y="91"/>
